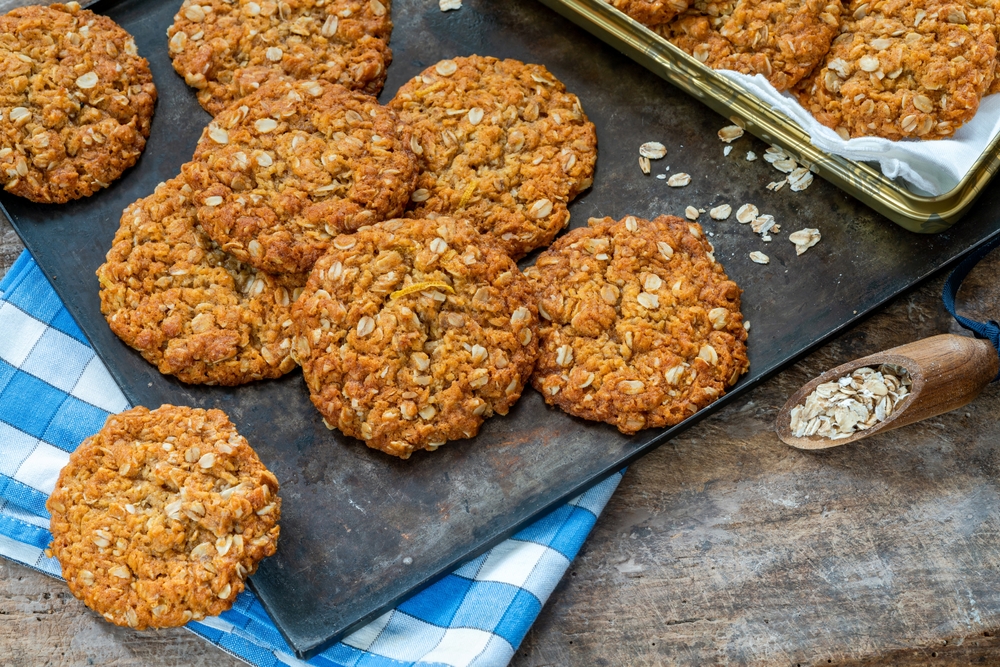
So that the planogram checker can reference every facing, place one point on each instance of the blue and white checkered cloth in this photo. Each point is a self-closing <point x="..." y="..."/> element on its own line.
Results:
<point x="54" y="392"/>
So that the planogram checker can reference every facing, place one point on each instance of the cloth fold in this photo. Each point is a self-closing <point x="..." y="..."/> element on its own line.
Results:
<point x="54" y="392"/>
<point x="928" y="167"/>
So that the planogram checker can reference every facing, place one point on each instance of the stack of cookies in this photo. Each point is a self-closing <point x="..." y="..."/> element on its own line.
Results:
<point x="899" y="69"/>
<point x="375" y="246"/>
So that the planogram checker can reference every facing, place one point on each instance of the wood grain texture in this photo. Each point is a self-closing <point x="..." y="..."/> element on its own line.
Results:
<point x="724" y="546"/>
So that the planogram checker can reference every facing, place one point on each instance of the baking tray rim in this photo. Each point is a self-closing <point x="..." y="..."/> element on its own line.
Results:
<point x="915" y="212"/>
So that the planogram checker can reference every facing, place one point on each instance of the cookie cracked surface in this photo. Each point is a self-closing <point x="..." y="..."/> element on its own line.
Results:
<point x="411" y="333"/>
<point x="298" y="163"/>
<point x="640" y="326"/>
<point x="650" y="12"/>
<point x="501" y="143"/>
<point x="783" y="40"/>
<point x="76" y="102"/>
<point x="225" y="50"/>
<point x="160" y="517"/>
<point x="190" y="309"/>
<point x="905" y="69"/>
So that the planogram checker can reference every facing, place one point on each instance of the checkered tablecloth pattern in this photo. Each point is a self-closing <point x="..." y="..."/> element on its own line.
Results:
<point x="54" y="392"/>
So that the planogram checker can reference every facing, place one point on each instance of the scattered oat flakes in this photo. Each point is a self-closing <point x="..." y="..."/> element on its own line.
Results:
<point x="800" y="179"/>
<point x="730" y="133"/>
<point x="727" y="150"/>
<point x="721" y="212"/>
<point x="855" y="402"/>
<point x="678" y="180"/>
<point x="804" y="239"/>
<point x="747" y="213"/>
<point x="785" y="166"/>
<point x="773" y="154"/>
<point x="662" y="177"/>
<point x="751" y="156"/>
<point x="449" y="5"/>
<point x="691" y="213"/>
<point x="759" y="257"/>
<point x="746" y="325"/>
<point x="653" y="150"/>
<point x="776" y="185"/>
<point x="644" y="164"/>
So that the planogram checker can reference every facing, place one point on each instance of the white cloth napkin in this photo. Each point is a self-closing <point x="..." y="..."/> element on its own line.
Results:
<point x="928" y="167"/>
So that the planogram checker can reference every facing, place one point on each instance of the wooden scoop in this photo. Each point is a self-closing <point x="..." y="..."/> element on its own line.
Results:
<point x="946" y="371"/>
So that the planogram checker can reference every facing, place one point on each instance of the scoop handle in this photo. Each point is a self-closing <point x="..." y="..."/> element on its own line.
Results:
<point x="955" y="370"/>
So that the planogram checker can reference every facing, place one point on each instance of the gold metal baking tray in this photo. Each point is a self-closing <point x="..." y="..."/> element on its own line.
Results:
<point x="916" y="213"/>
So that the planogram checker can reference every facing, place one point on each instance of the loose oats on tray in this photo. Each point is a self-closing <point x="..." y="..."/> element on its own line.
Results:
<point x="501" y="143"/>
<point x="278" y="176"/>
<point x="161" y="516"/>
<point x="226" y="48"/>
<point x="411" y="333"/>
<point x="76" y="102"/>
<point x="189" y="308"/>
<point x="640" y="325"/>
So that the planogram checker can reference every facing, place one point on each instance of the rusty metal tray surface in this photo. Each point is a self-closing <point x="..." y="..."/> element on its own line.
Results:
<point x="361" y="530"/>
<point x="912" y="211"/>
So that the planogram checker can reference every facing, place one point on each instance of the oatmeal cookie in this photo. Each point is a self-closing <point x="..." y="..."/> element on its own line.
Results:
<point x="411" y="333"/>
<point x="905" y="69"/>
<point x="650" y="12"/>
<point x="76" y="102"/>
<point x="501" y="143"/>
<point x="640" y="325"/>
<point x="190" y="309"/>
<point x="225" y="49"/>
<point x="781" y="39"/>
<point x="159" y="518"/>
<point x="298" y="163"/>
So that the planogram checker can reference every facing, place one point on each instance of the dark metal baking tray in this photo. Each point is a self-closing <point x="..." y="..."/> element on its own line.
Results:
<point x="352" y="515"/>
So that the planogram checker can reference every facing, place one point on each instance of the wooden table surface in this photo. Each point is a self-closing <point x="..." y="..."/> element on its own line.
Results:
<point x="723" y="546"/>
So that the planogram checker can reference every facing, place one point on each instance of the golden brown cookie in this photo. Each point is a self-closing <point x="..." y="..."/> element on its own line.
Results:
<point x="161" y="516"/>
<point x="76" y="102"/>
<point x="411" y="333"/>
<point x="905" y="69"/>
<point x="226" y="48"/>
<point x="650" y="12"/>
<point x="781" y="39"/>
<point x="501" y="143"/>
<point x="190" y="309"/>
<point x="640" y="325"/>
<point x="296" y="164"/>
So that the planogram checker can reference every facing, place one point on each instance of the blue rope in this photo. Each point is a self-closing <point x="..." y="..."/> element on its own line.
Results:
<point x="987" y="330"/>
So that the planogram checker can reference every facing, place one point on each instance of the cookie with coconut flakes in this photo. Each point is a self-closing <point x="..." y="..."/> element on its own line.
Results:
<point x="226" y="50"/>
<point x="412" y="332"/>
<point x="905" y="69"/>
<point x="160" y="517"/>
<point x="783" y="40"/>
<point x="502" y="144"/>
<point x="277" y="177"/>
<point x="640" y="326"/>
<point x="189" y="308"/>
<point x="76" y="102"/>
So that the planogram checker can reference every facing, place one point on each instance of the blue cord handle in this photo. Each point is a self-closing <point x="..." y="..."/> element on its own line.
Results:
<point x="987" y="330"/>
